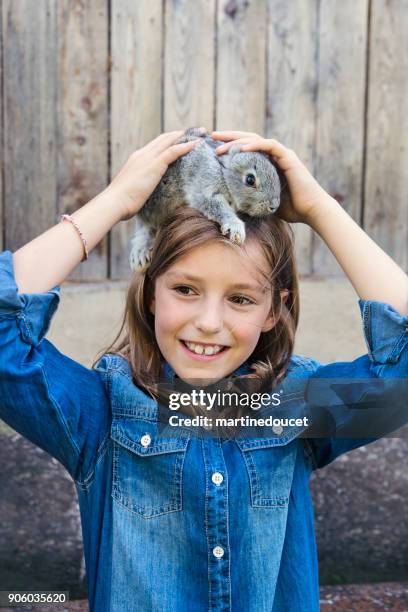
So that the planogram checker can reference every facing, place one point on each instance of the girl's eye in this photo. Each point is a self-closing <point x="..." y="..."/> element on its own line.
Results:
<point x="242" y="297"/>
<point x="237" y="299"/>
<point x="180" y="287"/>
<point x="250" y="180"/>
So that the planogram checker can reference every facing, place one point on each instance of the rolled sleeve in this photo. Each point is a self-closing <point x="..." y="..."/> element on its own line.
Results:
<point x="50" y="399"/>
<point x="34" y="311"/>
<point x="356" y="402"/>
<point x="385" y="331"/>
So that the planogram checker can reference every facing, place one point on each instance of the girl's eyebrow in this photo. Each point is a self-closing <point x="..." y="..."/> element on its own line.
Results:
<point x="191" y="277"/>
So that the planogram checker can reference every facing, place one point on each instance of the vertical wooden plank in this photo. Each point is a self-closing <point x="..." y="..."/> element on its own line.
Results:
<point x="189" y="64"/>
<point x="340" y="112"/>
<point x="386" y="201"/>
<point x="291" y="92"/>
<point x="30" y="47"/>
<point x="241" y="65"/>
<point x="136" y="94"/>
<point x="83" y="114"/>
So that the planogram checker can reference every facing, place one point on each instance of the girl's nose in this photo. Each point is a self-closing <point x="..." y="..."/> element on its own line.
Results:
<point x="210" y="320"/>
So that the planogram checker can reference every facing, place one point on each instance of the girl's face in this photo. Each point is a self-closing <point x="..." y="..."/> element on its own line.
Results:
<point x="212" y="297"/>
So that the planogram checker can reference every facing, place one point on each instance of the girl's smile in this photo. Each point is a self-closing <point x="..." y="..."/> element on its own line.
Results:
<point x="205" y="352"/>
<point x="212" y="298"/>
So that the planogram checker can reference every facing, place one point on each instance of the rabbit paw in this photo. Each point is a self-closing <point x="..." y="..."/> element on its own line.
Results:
<point x="139" y="257"/>
<point x="235" y="229"/>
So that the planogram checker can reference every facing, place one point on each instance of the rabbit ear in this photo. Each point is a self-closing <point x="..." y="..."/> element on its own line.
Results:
<point x="225" y="160"/>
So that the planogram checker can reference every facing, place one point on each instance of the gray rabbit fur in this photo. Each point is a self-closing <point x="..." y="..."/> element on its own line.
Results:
<point x="218" y="185"/>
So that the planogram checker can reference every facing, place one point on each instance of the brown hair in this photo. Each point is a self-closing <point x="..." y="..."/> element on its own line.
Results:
<point x="185" y="229"/>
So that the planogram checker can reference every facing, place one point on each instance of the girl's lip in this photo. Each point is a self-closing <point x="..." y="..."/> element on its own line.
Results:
<point x="202" y="357"/>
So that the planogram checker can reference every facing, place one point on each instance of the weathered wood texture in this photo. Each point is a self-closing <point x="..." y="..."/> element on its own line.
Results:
<point x="189" y="69"/>
<point x="241" y="65"/>
<point x="386" y="181"/>
<point x="85" y="84"/>
<point x="29" y="40"/>
<point x="82" y="114"/>
<point x="136" y="97"/>
<point x="342" y="45"/>
<point x="291" y="92"/>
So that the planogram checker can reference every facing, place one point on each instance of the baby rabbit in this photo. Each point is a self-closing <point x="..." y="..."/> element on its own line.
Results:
<point x="217" y="185"/>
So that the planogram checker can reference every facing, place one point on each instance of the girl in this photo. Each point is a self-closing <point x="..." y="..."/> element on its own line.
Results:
<point x="183" y="522"/>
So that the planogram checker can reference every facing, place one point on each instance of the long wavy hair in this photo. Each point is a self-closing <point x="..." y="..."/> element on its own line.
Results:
<point x="184" y="230"/>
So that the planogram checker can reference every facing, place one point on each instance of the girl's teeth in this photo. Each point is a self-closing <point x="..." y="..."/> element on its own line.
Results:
<point x="200" y="349"/>
<point x="211" y="350"/>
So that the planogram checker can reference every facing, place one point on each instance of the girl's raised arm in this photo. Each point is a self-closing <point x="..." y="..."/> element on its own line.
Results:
<point x="55" y="402"/>
<point x="48" y="259"/>
<point x="373" y="274"/>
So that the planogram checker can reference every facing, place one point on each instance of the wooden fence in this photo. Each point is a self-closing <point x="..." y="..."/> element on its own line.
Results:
<point x="86" y="82"/>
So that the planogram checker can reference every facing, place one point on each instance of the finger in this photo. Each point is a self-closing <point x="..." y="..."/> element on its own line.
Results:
<point x="177" y="150"/>
<point x="161" y="142"/>
<point x="172" y="139"/>
<point x="232" y="135"/>
<point x="225" y="147"/>
<point x="271" y="146"/>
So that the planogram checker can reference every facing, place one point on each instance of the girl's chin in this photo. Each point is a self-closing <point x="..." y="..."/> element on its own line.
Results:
<point x="200" y="381"/>
<point x="193" y="374"/>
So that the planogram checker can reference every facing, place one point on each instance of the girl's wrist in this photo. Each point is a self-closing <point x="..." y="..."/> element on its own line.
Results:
<point x="319" y="213"/>
<point x="117" y="202"/>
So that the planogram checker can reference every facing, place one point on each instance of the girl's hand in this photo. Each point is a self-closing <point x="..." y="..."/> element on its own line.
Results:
<point x="306" y="193"/>
<point x="144" y="169"/>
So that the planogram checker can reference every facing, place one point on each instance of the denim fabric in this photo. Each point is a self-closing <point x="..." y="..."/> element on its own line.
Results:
<point x="159" y="534"/>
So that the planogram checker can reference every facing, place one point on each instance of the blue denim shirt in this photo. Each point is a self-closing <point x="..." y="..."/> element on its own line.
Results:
<point x="179" y="523"/>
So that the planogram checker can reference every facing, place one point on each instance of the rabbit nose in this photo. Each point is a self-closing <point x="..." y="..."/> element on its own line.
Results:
<point x="274" y="205"/>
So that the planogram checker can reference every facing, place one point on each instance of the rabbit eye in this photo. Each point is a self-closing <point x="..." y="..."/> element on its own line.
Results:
<point x="250" y="180"/>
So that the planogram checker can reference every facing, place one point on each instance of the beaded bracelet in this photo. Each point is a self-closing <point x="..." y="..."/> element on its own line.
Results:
<point x="74" y="223"/>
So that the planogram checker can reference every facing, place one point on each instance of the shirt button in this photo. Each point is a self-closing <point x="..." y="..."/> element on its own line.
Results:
<point x="277" y="429"/>
<point x="217" y="478"/>
<point x="145" y="440"/>
<point x="218" y="552"/>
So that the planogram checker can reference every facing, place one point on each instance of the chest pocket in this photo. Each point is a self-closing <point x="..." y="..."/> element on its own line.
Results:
<point x="147" y="467"/>
<point x="270" y="464"/>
